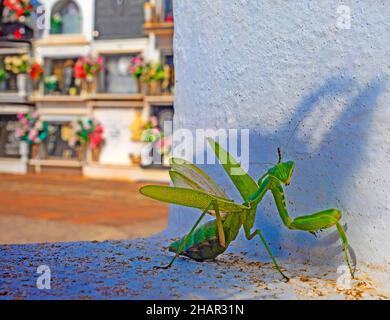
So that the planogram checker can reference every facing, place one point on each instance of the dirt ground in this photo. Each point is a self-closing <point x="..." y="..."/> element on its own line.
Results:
<point x="54" y="208"/>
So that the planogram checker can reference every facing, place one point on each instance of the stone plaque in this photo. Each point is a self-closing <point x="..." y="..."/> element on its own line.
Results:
<point x="9" y="143"/>
<point x="118" y="19"/>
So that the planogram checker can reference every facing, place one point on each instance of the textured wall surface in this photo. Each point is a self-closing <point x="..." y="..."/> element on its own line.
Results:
<point x="269" y="65"/>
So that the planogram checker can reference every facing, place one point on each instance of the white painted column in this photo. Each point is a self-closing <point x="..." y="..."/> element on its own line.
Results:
<point x="269" y="65"/>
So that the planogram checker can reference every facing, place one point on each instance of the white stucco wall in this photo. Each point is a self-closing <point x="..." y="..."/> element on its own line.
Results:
<point x="265" y="66"/>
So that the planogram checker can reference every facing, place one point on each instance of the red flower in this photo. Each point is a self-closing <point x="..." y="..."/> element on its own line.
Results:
<point x="87" y="67"/>
<point x="19" y="8"/>
<point x="96" y="137"/>
<point x="79" y="69"/>
<point x="18" y="34"/>
<point x="36" y="71"/>
<point x="19" y="12"/>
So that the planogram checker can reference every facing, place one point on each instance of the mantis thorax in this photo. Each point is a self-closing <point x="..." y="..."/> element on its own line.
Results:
<point x="283" y="172"/>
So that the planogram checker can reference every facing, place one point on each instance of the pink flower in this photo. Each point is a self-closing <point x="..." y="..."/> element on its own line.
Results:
<point x="100" y="60"/>
<point x="39" y="125"/>
<point x="24" y="121"/>
<point x="33" y="134"/>
<point x="20" y="115"/>
<point x="20" y="132"/>
<point x="35" y="115"/>
<point x="137" y="60"/>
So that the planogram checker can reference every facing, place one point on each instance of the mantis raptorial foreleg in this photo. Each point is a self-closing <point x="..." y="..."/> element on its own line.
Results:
<point x="311" y="223"/>
<point x="184" y="242"/>
<point x="254" y="200"/>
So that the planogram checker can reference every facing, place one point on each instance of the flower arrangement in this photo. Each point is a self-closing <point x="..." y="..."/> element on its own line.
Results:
<point x="79" y="69"/>
<point x="87" y="132"/>
<point x="31" y="129"/>
<point x="151" y="132"/>
<point x="169" y="17"/>
<point x="17" y="64"/>
<point x="157" y="76"/>
<point x="51" y="83"/>
<point x="96" y="137"/>
<point x="164" y="145"/>
<point x="137" y="66"/>
<point x="87" y="68"/>
<point x="19" y="8"/>
<point x="3" y="75"/>
<point x="19" y="33"/>
<point x="81" y="131"/>
<point x="153" y="72"/>
<point x="35" y="71"/>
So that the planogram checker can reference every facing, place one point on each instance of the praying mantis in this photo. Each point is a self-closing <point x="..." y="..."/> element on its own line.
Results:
<point x="194" y="188"/>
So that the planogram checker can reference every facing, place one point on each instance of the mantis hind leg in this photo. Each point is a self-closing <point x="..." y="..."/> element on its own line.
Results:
<point x="184" y="242"/>
<point x="258" y="232"/>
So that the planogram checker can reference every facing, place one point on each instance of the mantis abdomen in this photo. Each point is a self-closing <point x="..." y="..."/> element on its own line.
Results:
<point x="203" y="244"/>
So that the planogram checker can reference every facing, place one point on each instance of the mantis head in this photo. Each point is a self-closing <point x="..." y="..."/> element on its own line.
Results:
<point x="283" y="172"/>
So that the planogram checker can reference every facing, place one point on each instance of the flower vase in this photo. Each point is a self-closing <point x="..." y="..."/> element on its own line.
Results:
<point x="37" y="88"/>
<point x="81" y="152"/>
<point x="135" y="159"/>
<point x="155" y="88"/>
<point x="84" y="87"/>
<point x="91" y="86"/>
<point x="21" y="83"/>
<point x="145" y="88"/>
<point x="96" y="154"/>
<point x="35" y="151"/>
<point x="139" y="86"/>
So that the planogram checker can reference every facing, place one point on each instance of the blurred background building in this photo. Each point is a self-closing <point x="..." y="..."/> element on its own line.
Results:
<point x="105" y="67"/>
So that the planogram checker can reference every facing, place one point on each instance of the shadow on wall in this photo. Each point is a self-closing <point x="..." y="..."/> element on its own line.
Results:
<point x="328" y="152"/>
<point x="329" y="147"/>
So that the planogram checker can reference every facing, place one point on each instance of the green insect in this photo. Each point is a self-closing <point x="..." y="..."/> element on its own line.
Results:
<point x="194" y="188"/>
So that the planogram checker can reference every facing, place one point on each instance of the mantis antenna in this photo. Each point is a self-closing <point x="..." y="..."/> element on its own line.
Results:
<point x="290" y="138"/>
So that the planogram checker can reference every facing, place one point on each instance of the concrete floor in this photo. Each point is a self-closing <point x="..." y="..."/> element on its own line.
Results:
<point x="36" y="209"/>
<point x="124" y="270"/>
<point x="53" y="208"/>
